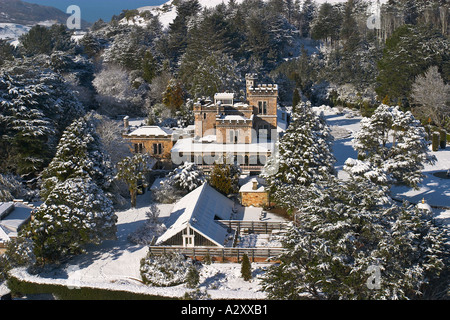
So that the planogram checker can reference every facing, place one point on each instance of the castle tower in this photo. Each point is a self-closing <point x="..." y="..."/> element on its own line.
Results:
<point x="250" y="81"/>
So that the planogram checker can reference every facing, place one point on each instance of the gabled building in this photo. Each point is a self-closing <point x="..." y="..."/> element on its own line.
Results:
<point x="192" y="222"/>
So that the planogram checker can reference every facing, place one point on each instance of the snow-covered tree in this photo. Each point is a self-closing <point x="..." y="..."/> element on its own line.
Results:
<point x="76" y="212"/>
<point x="118" y="93"/>
<point x="150" y="230"/>
<point x="342" y="230"/>
<point x="391" y="147"/>
<point x="216" y="73"/>
<point x="178" y="183"/>
<point x="187" y="177"/>
<point x="79" y="152"/>
<point x="166" y="270"/>
<point x="19" y="253"/>
<point x="432" y="96"/>
<point x="304" y="154"/>
<point x="35" y="107"/>
<point x="109" y="132"/>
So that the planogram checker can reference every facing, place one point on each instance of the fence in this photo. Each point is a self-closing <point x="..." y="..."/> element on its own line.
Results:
<point x="256" y="227"/>
<point x="222" y="254"/>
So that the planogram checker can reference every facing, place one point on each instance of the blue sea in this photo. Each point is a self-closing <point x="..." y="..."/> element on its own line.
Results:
<point x="92" y="10"/>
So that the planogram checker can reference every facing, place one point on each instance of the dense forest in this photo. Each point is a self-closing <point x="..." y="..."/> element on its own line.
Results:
<point x="325" y="54"/>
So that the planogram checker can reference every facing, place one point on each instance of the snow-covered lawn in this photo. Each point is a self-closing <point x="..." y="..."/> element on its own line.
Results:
<point x="115" y="264"/>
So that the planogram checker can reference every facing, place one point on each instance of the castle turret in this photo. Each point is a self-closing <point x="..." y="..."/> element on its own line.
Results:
<point x="250" y="81"/>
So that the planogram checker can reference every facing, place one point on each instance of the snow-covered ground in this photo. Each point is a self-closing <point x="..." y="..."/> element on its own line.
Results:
<point x="115" y="264"/>
<point x="435" y="191"/>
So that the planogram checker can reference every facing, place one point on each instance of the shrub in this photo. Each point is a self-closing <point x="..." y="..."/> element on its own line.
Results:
<point x="165" y="270"/>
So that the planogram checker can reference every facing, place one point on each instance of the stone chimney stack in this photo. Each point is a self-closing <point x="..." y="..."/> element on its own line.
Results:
<point x="255" y="184"/>
<point x="126" y="123"/>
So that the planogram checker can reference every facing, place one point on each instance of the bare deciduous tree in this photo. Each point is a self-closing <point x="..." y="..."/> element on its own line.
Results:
<point x="432" y="96"/>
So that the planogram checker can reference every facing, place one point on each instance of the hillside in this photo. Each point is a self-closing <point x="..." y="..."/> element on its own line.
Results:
<point x="28" y="14"/>
<point x="167" y="11"/>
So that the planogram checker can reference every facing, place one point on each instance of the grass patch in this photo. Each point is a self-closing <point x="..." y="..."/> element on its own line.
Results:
<point x="60" y="292"/>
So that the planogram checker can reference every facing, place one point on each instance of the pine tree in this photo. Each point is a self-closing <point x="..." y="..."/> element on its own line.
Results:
<point x="246" y="268"/>
<point x="36" y="106"/>
<point x="192" y="277"/>
<point x="409" y="52"/>
<point x="76" y="212"/>
<point x="225" y="178"/>
<point x="304" y="155"/>
<point x="342" y="230"/>
<point x="326" y="25"/>
<point x="79" y="153"/>
<point x="391" y="147"/>
<point x="187" y="177"/>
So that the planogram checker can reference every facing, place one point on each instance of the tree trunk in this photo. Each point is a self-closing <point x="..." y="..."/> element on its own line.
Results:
<point x="133" y="194"/>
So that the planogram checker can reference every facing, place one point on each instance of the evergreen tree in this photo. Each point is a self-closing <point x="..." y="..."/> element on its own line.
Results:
<point x="173" y="96"/>
<point x="326" y="26"/>
<point x="37" y="41"/>
<point x="306" y="18"/>
<point x="409" y="52"/>
<point x="246" y="268"/>
<point x="178" y="29"/>
<point x="36" y="106"/>
<point x="79" y="153"/>
<point x="187" y="177"/>
<point x="225" y="178"/>
<point x="149" y="67"/>
<point x="392" y="147"/>
<point x="6" y="51"/>
<point x="216" y="73"/>
<point x="192" y="277"/>
<point x="304" y="156"/>
<point x="44" y="40"/>
<point x="345" y="228"/>
<point x="76" y="212"/>
<point x="296" y="98"/>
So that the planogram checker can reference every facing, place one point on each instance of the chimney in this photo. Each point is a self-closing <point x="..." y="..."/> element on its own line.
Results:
<point x="255" y="184"/>
<point x="126" y="123"/>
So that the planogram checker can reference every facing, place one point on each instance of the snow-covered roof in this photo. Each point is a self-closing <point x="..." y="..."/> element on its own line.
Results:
<point x="147" y="131"/>
<point x="234" y="118"/>
<point x="198" y="209"/>
<point x="190" y="146"/>
<point x="224" y="96"/>
<point x="3" y="236"/>
<point x="248" y="186"/>
<point x="18" y="214"/>
<point x="6" y="208"/>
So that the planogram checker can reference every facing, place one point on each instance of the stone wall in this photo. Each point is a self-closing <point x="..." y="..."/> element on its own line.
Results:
<point x="256" y="199"/>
